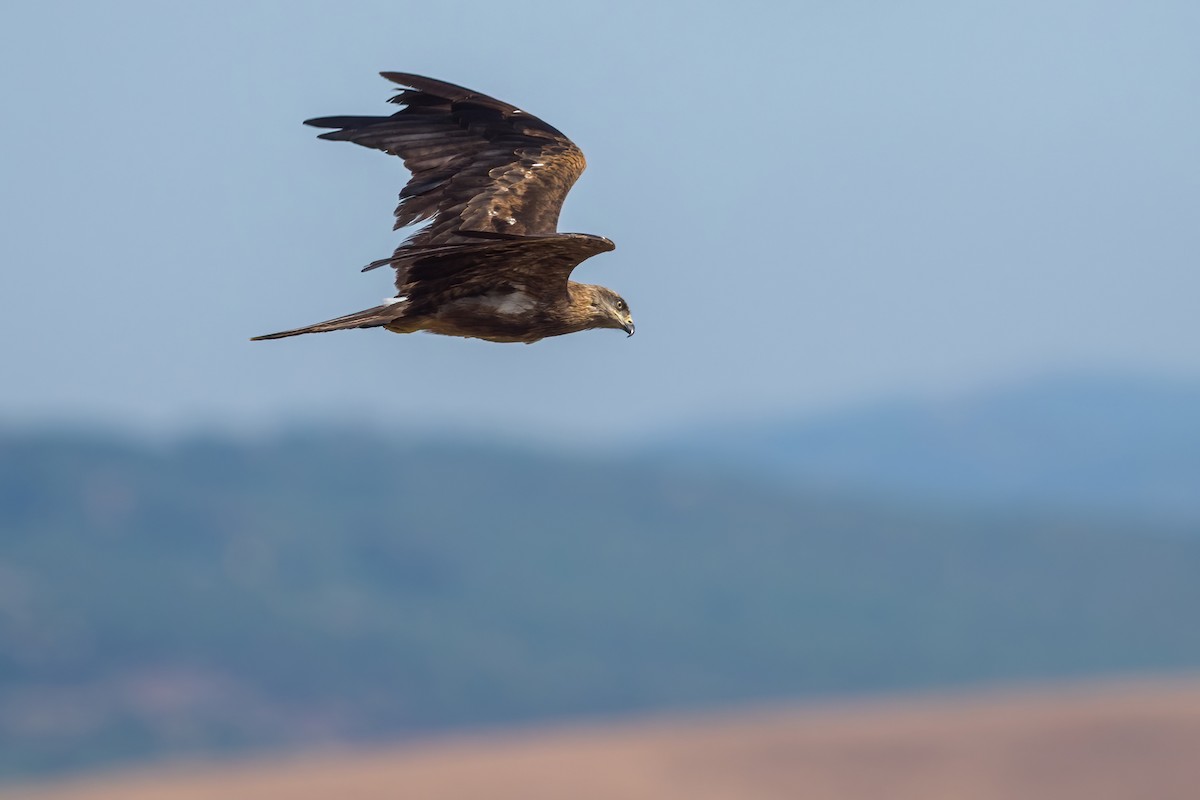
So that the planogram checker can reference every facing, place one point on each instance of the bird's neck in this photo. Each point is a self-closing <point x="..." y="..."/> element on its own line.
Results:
<point x="582" y="312"/>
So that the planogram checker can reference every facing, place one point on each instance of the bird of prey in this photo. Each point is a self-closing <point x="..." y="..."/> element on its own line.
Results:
<point x="490" y="180"/>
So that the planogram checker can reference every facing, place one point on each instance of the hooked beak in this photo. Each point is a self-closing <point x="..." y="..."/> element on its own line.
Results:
<point x="628" y="328"/>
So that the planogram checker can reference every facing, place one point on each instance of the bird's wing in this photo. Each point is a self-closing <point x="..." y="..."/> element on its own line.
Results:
<point x="477" y="163"/>
<point x="430" y="275"/>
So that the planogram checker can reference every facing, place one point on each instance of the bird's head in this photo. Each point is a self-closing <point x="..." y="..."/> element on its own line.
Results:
<point x="609" y="309"/>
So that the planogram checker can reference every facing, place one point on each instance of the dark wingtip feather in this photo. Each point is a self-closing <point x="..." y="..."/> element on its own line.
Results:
<point x="396" y="77"/>
<point x="383" y="262"/>
<point x="426" y="84"/>
<point x="441" y="89"/>
<point x="343" y="121"/>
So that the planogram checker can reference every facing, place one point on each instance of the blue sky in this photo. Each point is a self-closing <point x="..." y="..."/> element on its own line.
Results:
<point x="813" y="204"/>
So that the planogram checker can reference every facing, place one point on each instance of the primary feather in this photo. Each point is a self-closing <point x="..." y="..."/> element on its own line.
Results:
<point x="477" y="164"/>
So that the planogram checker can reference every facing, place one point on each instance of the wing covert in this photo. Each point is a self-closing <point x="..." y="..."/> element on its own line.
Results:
<point x="540" y="265"/>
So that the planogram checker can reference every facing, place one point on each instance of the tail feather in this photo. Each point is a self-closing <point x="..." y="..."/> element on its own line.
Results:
<point x="371" y="318"/>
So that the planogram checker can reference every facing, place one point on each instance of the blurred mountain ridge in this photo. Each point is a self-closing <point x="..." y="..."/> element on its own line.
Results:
<point x="1085" y="443"/>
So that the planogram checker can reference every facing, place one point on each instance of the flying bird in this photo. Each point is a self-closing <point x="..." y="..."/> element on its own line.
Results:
<point x="490" y="180"/>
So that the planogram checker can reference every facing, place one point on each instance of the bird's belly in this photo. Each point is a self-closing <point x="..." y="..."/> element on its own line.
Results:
<point x="493" y="330"/>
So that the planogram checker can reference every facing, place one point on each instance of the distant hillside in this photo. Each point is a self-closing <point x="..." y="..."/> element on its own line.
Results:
<point x="218" y="595"/>
<point x="1128" y="445"/>
<point x="1068" y="743"/>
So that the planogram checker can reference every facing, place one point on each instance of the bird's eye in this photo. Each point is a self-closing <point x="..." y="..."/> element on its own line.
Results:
<point x="620" y="305"/>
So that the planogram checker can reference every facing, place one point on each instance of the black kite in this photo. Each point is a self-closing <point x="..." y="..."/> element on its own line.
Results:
<point x="490" y="179"/>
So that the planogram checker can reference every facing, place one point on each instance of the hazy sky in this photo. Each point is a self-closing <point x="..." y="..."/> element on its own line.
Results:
<point x="813" y="203"/>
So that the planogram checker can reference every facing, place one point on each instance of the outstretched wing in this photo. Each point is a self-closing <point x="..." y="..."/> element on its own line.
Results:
<point x="477" y="163"/>
<point x="431" y="275"/>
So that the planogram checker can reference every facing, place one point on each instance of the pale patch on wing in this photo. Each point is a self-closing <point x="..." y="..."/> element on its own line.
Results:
<point x="388" y="301"/>
<point x="509" y="303"/>
<point x="501" y="303"/>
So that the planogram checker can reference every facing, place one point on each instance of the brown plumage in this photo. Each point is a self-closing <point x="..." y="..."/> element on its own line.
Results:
<point x="490" y="180"/>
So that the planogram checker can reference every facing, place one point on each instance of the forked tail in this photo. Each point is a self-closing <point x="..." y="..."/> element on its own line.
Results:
<point x="371" y="318"/>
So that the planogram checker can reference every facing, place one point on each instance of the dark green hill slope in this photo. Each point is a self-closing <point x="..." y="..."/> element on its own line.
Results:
<point x="220" y="595"/>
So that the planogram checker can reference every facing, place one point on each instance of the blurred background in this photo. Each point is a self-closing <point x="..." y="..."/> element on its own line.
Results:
<point x="913" y="409"/>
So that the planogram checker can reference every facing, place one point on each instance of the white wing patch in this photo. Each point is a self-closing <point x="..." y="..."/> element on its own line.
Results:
<point x="509" y="303"/>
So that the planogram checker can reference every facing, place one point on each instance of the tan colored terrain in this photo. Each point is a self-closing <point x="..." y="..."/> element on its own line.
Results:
<point x="1131" y="740"/>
